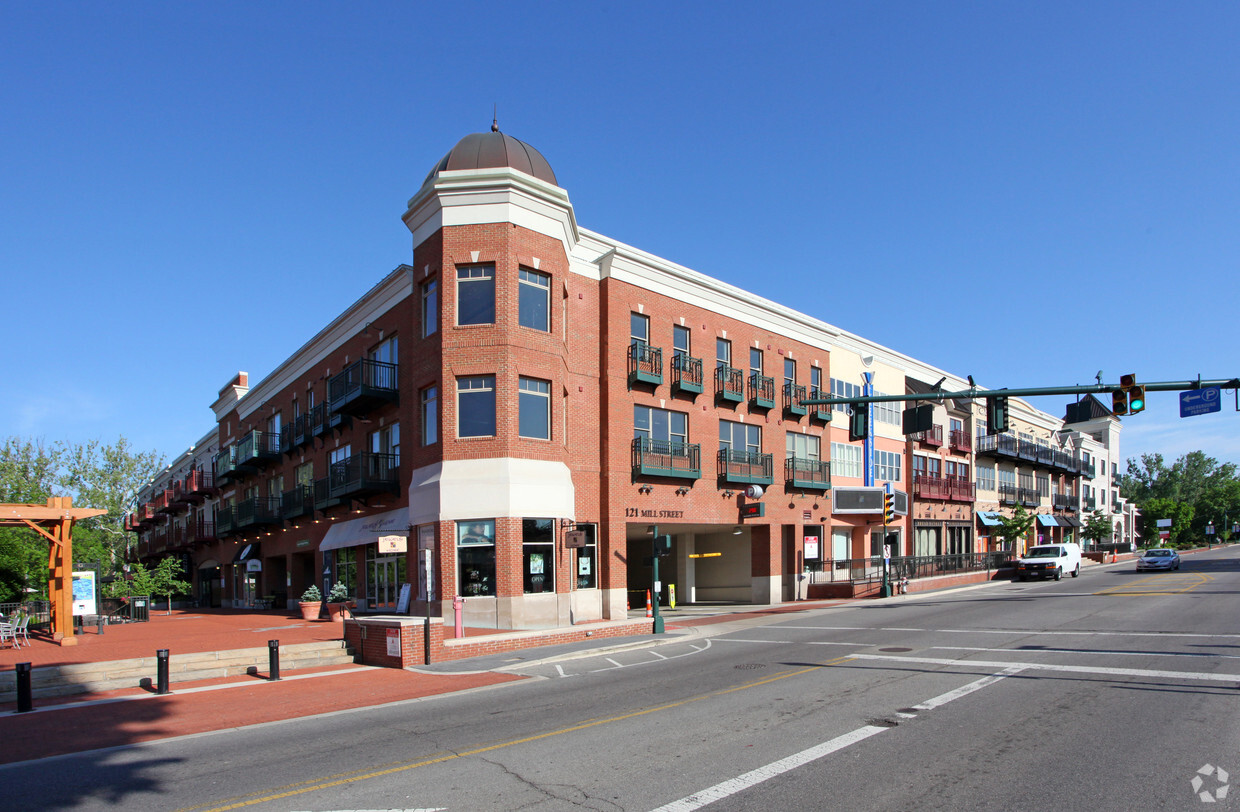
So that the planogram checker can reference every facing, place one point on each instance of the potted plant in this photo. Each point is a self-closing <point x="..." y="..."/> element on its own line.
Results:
<point x="309" y="603"/>
<point x="338" y="602"/>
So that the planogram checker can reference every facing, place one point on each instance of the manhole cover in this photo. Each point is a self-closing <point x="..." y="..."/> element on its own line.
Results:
<point x="883" y="723"/>
<point x="895" y="648"/>
<point x="744" y="666"/>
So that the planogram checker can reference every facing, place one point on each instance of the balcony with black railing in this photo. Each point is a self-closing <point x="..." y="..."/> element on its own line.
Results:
<point x="645" y="364"/>
<point x="1027" y="450"/>
<point x="226" y="465"/>
<point x="1088" y="469"/>
<point x="1046" y="456"/>
<point x="323" y="498"/>
<point x="686" y="374"/>
<point x="960" y="440"/>
<point x="362" y="386"/>
<point x="996" y="445"/>
<point x="257" y="450"/>
<point x="200" y="531"/>
<point x="225" y="521"/>
<point x="666" y="458"/>
<point x="761" y="391"/>
<point x="729" y="384"/>
<point x="1089" y="503"/>
<point x="1065" y="462"/>
<point x="295" y="434"/>
<point x="1029" y="497"/>
<point x="298" y="501"/>
<point x="819" y="411"/>
<point x="794" y="400"/>
<point x="932" y="437"/>
<point x="257" y="511"/>
<point x="745" y="467"/>
<point x="807" y="474"/>
<point x="364" y="474"/>
<point x="1063" y="501"/>
<point x="318" y="417"/>
<point x="1007" y="494"/>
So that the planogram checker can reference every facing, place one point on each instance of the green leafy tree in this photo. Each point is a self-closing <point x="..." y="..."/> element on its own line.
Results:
<point x="1015" y="527"/>
<point x="108" y="477"/>
<point x="1180" y="514"/>
<point x="1098" y="528"/>
<point x="28" y="475"/>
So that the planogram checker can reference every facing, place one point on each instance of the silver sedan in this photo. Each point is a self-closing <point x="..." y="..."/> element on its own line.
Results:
<point x="1158" y="558"/>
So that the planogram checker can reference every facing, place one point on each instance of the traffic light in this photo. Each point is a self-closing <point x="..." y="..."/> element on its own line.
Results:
<point x="859" y="422"/>
<point x="1136" y="399"/>
<point x="1119" y="402"/>
<point x="663" y="546"/>
<point x="996" y="414"/>
<point x="889" y="508"/>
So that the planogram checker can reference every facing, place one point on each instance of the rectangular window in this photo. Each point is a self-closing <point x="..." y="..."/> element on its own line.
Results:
<point x="801" y="446"/>
<point x="587" y="558"/>
<point x="954" y="425"/>
<point x="639" y="329"/>
<point x="475" y="406"/>
<point x="339" y="454"/>
<point x="815" y="379"/>
<point x="475" y="556"/>
<point x="755" y="361"/>
<point x="887" y="466"/>
<point x="680" y="340"/>
<point x="846" y="460"/>
<point x="304" y="473"/>
<point x="430" y="307"/>
<point x="538" y="554"/>
<point x="982" y="426"/>
<point x="660" y="424"/>
<point x="387" y="441"/>
<point x="344" y="565"/>
<point x="985" y="477"/>
<point x="888" y="412"/>
<point x="740" y="437"/>
<point x="475" y="295"/>
<point x="843" y="389"/>
<point x="1007" y="477"/>
<point x="274" y="423"/>
<point x="534" y="408"/>
<point x="430" y="415"/>
<point x="1044" y="486"/>
<point x="790" y="371"/>
<point x="534" y="300"/>
<point x="275" y="486"/>
<point x="723" y="353"/>
<point x="385" y="352"/>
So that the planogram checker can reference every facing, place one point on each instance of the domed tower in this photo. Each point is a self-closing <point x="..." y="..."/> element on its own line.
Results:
<point x="505" y="335"/>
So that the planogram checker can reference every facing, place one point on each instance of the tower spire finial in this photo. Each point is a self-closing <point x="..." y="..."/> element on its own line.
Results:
<point x="495" y="119"/>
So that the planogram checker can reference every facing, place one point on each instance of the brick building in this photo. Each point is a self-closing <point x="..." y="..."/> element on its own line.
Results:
<point x="526" y="402"/>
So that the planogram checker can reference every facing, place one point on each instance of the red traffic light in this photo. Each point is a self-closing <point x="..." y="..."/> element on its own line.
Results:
<point x="1127" y="381"/>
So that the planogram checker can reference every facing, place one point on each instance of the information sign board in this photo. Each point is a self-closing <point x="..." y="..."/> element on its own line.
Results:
<point x="1201" y="401"/>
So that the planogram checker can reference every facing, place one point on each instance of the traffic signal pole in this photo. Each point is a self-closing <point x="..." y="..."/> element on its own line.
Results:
<point x="976" y="392"/>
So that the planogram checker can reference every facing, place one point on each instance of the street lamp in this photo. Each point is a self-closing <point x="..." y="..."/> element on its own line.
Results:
<point x="1210" y="535"/>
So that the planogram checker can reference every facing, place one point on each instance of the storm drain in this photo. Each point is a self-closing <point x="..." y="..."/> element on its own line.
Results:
<point x="895" y="649"/>
<point x="749" y="666"/>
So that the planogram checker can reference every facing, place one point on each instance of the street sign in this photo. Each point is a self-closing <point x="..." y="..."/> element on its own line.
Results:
<point x="1164" y="534"/>
<point x="575" y="539"/>
<point x="1163" y="522"/>
<point x="1201" y="401"/>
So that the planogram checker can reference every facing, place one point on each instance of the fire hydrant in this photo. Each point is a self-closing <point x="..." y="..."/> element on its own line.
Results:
<point x="458" y="607"/>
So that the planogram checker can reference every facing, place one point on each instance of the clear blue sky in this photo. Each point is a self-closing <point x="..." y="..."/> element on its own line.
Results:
<point x="1024" y="192"/>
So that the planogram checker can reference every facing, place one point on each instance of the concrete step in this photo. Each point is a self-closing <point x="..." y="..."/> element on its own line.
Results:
<point x="77" y="678"/>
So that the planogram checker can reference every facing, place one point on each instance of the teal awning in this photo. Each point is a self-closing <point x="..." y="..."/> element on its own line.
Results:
<point x="988" y="518"/>
<point x="1047" y="521"/>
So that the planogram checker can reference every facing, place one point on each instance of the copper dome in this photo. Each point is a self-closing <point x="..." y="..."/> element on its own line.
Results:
<point x="493" y="150"/>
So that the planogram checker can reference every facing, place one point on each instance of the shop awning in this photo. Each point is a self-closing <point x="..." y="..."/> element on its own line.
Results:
<point x="1047" y="521"/>
<point x="1070" y="521"/>
<point x="248" y="552"/>
<point x="365" y="530"/>
<point x="988" y="518"/>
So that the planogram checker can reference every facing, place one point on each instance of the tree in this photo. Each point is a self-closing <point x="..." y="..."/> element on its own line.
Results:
<point x="1015" y="527"/>
<point x="1097" y="528"/>
<point x="28" y="474"/>
<point x="108" y="477"/>
<point x="1180" y="514"/>
<point x="1193" y="492"/>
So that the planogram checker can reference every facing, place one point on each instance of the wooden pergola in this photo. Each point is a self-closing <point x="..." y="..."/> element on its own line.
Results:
<point x="54" y="521"/>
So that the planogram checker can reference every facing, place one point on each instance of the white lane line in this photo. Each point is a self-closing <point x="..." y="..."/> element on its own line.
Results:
<point x="796" y="642"/>
<point x="1090" y="651"/>
<point x="1069" y="669"/>
<point x="1029" y="632"/>
<point x="775" y="769"/>
<point x="560" y="670"/>
<point x="657" y="654"/>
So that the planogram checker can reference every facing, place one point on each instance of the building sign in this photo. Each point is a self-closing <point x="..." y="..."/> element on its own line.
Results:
<point x="753" y="510"/>
<point x="393" y="543"/>
<point x="639" y="513"/>
<point x="575" y="539"/>
<point x="84" y="593"/>
<point x="254" y="565"/>
<point x="393" y="642"/>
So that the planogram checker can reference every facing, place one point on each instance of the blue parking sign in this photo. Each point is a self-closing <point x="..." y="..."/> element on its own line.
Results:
<point x="1201" y="401"/>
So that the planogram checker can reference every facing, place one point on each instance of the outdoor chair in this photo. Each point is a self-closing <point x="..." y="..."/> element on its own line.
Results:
<point x="8" y="632"/>
<point x="20" y="629"/>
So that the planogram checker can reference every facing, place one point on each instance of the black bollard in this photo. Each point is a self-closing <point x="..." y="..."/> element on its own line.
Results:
<point x="24" y="700"/>
<point x="273" y="659"/>
<point x="161" y="671"/>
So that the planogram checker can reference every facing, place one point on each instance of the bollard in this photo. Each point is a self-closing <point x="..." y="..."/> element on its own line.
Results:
<point x="426" y="638"/>
<point x="671" y="592"/>
<point x="458" y="604"/>
<point x="161" y="671"/>
<point x="273" y="659"/>
<point x="24" y="700"/>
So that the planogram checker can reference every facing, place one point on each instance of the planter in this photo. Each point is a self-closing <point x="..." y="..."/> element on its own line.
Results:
<point x="309" y="610"/>
<point x="337" y="611"/>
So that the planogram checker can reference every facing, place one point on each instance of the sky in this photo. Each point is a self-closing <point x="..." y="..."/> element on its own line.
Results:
<point x="1024" y="192"/>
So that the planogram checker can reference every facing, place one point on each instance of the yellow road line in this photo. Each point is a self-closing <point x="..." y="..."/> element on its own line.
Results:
<point x="348" y="778"/>
<point x="1163" y="584"/>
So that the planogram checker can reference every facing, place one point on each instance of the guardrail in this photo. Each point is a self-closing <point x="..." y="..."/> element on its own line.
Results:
<point x="870" y="570"/>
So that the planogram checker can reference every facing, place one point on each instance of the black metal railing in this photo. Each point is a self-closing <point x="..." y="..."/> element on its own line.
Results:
<point x="750" y="467"/>
<point x="761" y="391"/>
<point x="362" y="385"/>
<point x="257" y="449"/>
<point x="364" y="473"/>
<point x="257" y="511"/>
<point x="298" y="501"/>
<point x="666" y="458"/>
<point x="686" y="373"/>
<point x="806" y="473"/>
<point x="645" y="364"/>
<point x="794" y="397"/>
<point x="729" y="384"/>
<point x="870" y="570"/>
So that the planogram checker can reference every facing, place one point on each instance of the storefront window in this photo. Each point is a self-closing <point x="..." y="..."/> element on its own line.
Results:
<point x="538" y="554"/>
<point x="345" y="568"/>
<point x="475" y="551"/>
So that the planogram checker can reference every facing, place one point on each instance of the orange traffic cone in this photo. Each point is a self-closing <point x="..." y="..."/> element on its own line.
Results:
<point x="649" y="613"/>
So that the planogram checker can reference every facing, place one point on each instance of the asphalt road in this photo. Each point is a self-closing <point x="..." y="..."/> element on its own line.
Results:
<point x="1114" y="690"/>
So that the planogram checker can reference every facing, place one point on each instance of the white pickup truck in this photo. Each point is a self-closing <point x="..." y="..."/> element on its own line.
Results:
<point x="1050" y="561"/>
